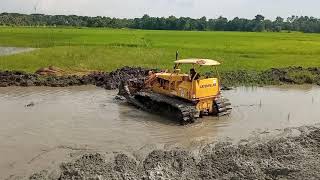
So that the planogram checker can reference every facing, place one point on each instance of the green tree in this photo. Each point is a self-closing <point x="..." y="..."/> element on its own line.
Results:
<point x="259" y="24"/>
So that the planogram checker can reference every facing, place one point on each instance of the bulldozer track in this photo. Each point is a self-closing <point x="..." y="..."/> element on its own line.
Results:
<point x="180" y="110"/>
<point x="223" y="106"/>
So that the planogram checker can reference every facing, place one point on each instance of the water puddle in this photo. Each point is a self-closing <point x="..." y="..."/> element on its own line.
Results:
<point x="5" y="51"/>
<point x="36" y="119"/>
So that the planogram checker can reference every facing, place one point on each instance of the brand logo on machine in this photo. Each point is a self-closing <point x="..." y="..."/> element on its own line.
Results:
<point x="206" y="86"/>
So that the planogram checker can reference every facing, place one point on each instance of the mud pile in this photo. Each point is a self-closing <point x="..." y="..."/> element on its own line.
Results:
<point x="17" y="78"/>
<point x="107" y="80"/>
<point x="112" y="80"/>
<point x="294" y="154"/>
<point x="295" y="75"/>
<point x="274" y="76"/>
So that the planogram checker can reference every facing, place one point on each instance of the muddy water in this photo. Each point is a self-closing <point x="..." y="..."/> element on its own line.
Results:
<point x="39" y="125"/>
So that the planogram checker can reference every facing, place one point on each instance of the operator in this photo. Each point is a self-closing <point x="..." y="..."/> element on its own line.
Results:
<point x="194" y="75"/>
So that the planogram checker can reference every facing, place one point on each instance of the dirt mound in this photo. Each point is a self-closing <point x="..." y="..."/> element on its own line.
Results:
<point x="17" y="78"/>
<point x="112" y="80"/>
<point x="107" y="80"/>
<point x="274" y="76"/>
<point x="294" y="154"/>
<point x="175" y="164"/>
<point x="294" y="75"/>
<point x="88" y="166"/>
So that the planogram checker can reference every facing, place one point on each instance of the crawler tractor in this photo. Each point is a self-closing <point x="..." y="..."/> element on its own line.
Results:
<point x="184" y="97"/>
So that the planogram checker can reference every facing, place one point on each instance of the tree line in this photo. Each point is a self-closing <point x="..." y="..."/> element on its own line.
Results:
<point x="257" y="24"/>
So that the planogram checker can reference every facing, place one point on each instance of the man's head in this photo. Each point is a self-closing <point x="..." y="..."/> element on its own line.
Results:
<point x="150" y="73"/>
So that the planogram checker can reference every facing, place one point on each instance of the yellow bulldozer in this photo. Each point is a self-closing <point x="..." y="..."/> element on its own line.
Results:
<point x="180" y="96"/>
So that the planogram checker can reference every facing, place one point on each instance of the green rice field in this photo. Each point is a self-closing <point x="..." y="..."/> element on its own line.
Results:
<point x="75" y="49"/>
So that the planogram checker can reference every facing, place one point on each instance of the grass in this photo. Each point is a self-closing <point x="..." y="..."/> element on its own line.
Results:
<point x="108" y="49"/>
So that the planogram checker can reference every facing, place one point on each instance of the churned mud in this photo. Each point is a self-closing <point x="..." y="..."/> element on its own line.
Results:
<point x="4" y="51"/>
<point x="111" y="80"/>
<point x="106" y="80"/>
<point x="294" y="153"/>
<point x="274" y="76"/>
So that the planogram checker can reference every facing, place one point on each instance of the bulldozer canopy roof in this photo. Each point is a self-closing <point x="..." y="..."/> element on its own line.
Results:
<point x="201" y="62"/>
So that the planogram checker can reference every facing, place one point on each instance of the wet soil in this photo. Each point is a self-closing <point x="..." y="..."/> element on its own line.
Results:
<point x="292" y="154"/>
<point x="274" y="76"/>
<point x="111" y="80"/>
<point x="106" y="80"/>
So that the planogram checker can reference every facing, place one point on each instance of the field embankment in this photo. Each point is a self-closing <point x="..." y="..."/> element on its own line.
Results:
<point x="111" y="80"/>
<point x="106" y="80"/>
<point x="273" y="76"/>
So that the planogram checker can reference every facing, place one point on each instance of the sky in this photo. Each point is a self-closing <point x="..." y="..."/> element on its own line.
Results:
<point x="187" y="8"/>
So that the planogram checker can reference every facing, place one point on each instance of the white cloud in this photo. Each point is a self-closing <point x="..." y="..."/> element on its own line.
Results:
<point x="192" y="8"/>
